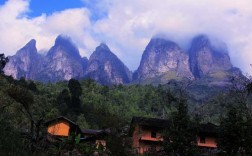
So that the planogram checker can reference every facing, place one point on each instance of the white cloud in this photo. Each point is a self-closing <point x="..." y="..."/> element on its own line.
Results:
<point x="132" y="23"/>
<point x="127" y="26"/>
<point x="17" y="29"/>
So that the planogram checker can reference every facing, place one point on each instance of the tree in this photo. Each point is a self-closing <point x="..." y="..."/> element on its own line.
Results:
<point x="75" y="91"/>
<point x="236" y="125"/>
<point x="81" y="121"/>
<point x="3" y="61"/>
<point x="230" y="138"/>
<point x="11" y="141"/>
<point x="181" y="136"/>
<point x="32" y="86"/>
<point x="64" y="101"/>
<point x="34" y="114"/>
<point x="117" y="144"/>
<point x="236" y="132"/>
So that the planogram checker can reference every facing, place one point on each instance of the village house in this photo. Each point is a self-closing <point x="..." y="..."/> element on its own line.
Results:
<point x="207" y="138"/>
<point x="62" y="127"/>
<point x="147" y="136"/>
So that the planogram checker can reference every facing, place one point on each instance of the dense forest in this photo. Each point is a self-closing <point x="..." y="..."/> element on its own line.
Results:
<point x="25" y="105"/>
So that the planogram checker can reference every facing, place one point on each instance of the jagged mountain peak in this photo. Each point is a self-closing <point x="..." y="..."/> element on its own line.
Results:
<point x="160" y="40"/>
<point x="208" y="55"/>
<point x="103" y="49"/>
<point x="103" y="46"/>
<point x="62" y="39"/>
<point x="31" y="43"/>
<point x="25" y="62"/>
<point x="105" y="67"/>
<point x="63" y="44"/>
<point x="165" y="59"/>
<point x="103" y="53"/>
<point x="62" y="62"/>
<point x="161" y="43"/>
<point x="201" y="38"/>
<point x="204" y="41"/>
<point x="29" y="48"/>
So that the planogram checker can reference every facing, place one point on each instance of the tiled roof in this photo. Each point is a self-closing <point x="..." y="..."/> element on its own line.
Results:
<point x="91" y="131"/>
<point x="153" y="122"/>
<point x="60" y="118"/>
<point x="208" y="128"/>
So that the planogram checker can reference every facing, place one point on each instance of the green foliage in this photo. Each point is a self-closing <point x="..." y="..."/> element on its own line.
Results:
<point x="118" y="145"/>
<point x="11" y="142"/>
<point x="75" y="91"/>
<point x="81" y="121"/>
<point x="3" y="61"/>
<point x="236" y="131"/>
<point x="236" y="124"/>
<point x="180" y="137"/>
<point x="26" y="104"/>
<point x="64" y="102"/>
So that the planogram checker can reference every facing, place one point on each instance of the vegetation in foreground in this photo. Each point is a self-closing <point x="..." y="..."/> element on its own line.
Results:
<point x="26" y="105"/>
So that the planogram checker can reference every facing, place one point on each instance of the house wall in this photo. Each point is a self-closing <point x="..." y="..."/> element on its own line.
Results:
<point x="61" y="128"/>
<point x="147" y="147"/>
<point x="210" y="142"/>
<point x="139" y="138"/>
<point x="135" y="137"/>
<point x="146" y="135"/>
<point x="143" y="142"/>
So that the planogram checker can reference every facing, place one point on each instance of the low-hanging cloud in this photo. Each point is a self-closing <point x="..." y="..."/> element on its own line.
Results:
<point x="127" y="26"/>
<point x="16" y="28"/>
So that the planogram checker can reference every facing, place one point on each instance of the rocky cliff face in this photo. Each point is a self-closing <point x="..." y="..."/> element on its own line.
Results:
<point x="206" y="57"/>
<point x="106" y="68"/>
<point x="163" y="58"/>
<point x="25" y="62"/>
<point x="62" y="62"/>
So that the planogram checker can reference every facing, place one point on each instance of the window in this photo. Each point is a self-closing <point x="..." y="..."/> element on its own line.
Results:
<point x="202" y="139"/>
<point x="153" y="134"/>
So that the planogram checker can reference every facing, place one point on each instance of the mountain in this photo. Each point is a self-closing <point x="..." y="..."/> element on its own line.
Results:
<point x="207" y="57"/>
<point x="62" y="62"/>
<point x="210" y="62"/>
<point x="163" y="60"/>
<point x="25" y="62"/>
<point x="206" y="61"/>
<point x="106" y="68"/>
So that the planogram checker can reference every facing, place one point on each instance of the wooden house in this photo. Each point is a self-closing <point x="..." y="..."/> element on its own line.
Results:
<point x="62" y="127"/>
<point x="207" y="138"/>
<point x="147" y="136"/>
<point x="96" y="136"/>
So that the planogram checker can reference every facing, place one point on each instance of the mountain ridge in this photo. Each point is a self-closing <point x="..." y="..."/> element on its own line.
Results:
<point x="162" y="60"/>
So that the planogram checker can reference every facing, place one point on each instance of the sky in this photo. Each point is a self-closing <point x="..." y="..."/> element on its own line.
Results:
<point x="127" y="26"/>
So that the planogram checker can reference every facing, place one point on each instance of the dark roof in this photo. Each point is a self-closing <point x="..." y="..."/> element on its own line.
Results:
<point x="96" y="131"/>
<point x="152" y="122"/>
<point x="208" y="128"/>
<point x="91" y="131"/>
<point x="60" y="118"/>
<point x="148" y="122"/>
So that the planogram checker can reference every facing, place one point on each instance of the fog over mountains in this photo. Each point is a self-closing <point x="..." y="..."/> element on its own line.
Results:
<point x="162" y="60"/>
